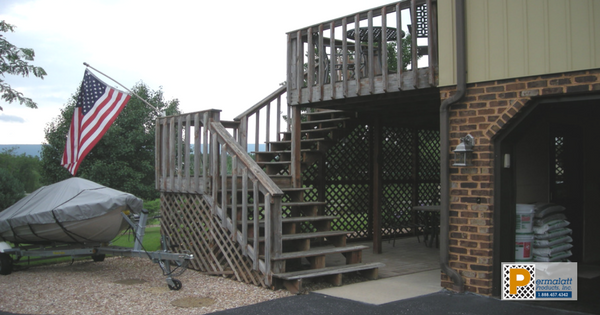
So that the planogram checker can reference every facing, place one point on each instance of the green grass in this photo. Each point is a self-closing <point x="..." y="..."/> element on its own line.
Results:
<point x="151" y="239"/>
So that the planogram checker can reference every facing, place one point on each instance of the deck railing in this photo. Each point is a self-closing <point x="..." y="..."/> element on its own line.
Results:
<point x="362" y="54"/>
<point x="182" y="152"/>
<point x="265" y="130"/>
<point x="195" y="153"/>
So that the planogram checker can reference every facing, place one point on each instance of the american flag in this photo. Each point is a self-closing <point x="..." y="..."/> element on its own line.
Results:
<point x="97" y="108"/>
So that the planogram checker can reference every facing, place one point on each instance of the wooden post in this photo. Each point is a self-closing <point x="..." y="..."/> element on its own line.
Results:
<point x="296" y="138"/>
<point x="376" y="184"/>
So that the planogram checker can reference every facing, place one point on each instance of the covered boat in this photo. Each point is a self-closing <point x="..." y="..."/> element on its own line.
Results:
<point x="75" y="210"/>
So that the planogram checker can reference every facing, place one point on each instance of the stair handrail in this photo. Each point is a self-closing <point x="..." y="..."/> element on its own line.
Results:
<point x="255" y="110"/>
<point x="222" y="141"/>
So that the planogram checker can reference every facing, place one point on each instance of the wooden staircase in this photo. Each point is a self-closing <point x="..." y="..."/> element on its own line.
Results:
<point x="307" y="235"/>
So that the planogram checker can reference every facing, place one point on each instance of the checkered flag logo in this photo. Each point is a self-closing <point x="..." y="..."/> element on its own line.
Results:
<point x="514" y="282"/>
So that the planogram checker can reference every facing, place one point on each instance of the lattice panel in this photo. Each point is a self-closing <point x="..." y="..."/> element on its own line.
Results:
<point x="396" y="214"/>
<point x="351" y="202"/>
<point x="397" y="151"/>
<point x="429" y="155"/>
<point x="428" y="193"/>
<point x="349" y="159"/>
<point x="188" y="221"/>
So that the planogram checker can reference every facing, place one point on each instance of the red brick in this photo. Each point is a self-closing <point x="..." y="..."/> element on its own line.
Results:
<point x="555" y="90"/>
<point x="586" y="79"/>
<point x="515" y="86"/>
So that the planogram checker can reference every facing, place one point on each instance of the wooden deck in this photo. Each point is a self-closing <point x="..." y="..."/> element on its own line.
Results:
<point x="366" y="53"/>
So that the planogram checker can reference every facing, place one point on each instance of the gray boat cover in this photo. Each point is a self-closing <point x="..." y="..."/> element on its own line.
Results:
<point x="73" y="199"/>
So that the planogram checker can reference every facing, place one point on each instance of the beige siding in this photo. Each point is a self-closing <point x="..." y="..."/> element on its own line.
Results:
<point x="517" y="38"/>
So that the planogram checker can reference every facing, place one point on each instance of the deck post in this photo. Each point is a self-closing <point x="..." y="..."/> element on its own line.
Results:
<point x="376" y="193"/>
<point x="296" y="138"/>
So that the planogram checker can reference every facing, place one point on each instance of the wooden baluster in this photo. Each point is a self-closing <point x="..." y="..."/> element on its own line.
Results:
<point x="310" y="72"/>
<point x="268" y="125"/>
<point x="268" y="237"/>
<point x="358" y="55"/>
<point x="187" y="185"/>
<point x="205" y="153"/>
<point x="214" y="151"/>
<point x="224" y="184"/>
<point x="234" y="212"/>
<point x="179" y="153"/>
<point x="400" y="63"/>
<point x="255" y="217"/>
<point x="278" y="122"/>
<point x="245" y="210"/>
<point x="345" y="57"/>
<point x="414" y="67"/>
<point x="333" y="61"/>
<point x="256" y="132"/>
<point x="299" y="65"/>
<point x="371" y="55"/>
<point x="383" y="49"/>
<point x="172" y="154"/>
<point x="197" y="144"/>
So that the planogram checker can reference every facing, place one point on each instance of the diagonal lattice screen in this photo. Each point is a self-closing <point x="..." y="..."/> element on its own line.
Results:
<point x="410" y="176"/>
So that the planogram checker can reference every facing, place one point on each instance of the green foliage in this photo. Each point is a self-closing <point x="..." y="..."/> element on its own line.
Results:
<point x="124" y="158"/>
<point x="24" y="168"/>
<point x="11" y="189"/>
<point x="392" y="55"/>
<point x="14" y="60"/>
<point x="153" y="207"/>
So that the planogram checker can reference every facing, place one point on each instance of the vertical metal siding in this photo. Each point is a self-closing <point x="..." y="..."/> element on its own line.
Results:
<point x="516" y="38"/>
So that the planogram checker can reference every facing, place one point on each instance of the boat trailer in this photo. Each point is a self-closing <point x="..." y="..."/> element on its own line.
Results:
<point x="172" y="264"/>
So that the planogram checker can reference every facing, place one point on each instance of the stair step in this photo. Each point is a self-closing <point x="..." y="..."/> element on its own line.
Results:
<point x="324" y="121"/>
<point x="300" y="236"/>
<point x="311" y="130"/>
<point x="303" y="236"/>
<point x="302" y="141"/>
<point x="320" y="251"/>
<point x="299" y="219"/>
<point x="291" y="204"/>
<point x="284" y="189"/>
<point x="295" y="275"/>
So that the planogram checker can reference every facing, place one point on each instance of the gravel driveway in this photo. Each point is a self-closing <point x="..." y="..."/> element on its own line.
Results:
<point x="121" y="285"/>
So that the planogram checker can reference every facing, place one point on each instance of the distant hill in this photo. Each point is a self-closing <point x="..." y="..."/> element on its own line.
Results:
<point x="36" y="149"/>
<point x="28" y="149"/>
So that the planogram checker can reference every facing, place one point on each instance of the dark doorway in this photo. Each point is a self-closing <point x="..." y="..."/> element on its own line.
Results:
<point x="548" y="153"/>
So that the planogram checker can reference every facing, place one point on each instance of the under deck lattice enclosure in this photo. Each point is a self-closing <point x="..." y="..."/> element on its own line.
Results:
<point x="410" y="176"/>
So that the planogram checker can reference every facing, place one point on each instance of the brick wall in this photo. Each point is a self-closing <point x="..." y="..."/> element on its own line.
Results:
<point x="484" y="110"/>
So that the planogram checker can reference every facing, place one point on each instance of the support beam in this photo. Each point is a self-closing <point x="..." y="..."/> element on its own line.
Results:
<point x="376" y="184"/>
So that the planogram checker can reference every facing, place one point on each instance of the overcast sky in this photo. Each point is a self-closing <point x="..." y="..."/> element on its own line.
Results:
<point x="208" y="54"/>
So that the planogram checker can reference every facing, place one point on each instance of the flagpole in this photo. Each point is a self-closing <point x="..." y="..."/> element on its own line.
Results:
<point x="128" y="90"/>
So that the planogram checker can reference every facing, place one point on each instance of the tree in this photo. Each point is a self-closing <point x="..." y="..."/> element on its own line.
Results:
<point x="11" y="189"/>
<point x="13" y="60"/>
<point x="24" y="168"/>
<point x="124" y="158"/>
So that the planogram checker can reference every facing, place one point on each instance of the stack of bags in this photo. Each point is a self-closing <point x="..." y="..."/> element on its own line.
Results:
<point x="552" y="240"/>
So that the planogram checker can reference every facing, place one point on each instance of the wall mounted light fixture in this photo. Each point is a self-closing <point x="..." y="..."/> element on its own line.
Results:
<point x="463" y="152"/>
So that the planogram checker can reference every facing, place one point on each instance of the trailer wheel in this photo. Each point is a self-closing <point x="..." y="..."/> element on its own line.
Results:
<point x="176" y="285"/>
<point x="5" y="264"/>
<point x="98" y="258"/>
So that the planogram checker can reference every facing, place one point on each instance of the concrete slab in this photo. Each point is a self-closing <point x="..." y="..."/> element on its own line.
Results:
<point x="387" y="290"/>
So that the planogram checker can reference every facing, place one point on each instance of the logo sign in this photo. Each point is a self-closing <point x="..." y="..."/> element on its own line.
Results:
<point x="539" y="281"/>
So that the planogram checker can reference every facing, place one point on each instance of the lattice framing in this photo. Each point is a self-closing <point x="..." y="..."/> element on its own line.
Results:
<point x="410" y="159"/>
<point x="188" y="221"/>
